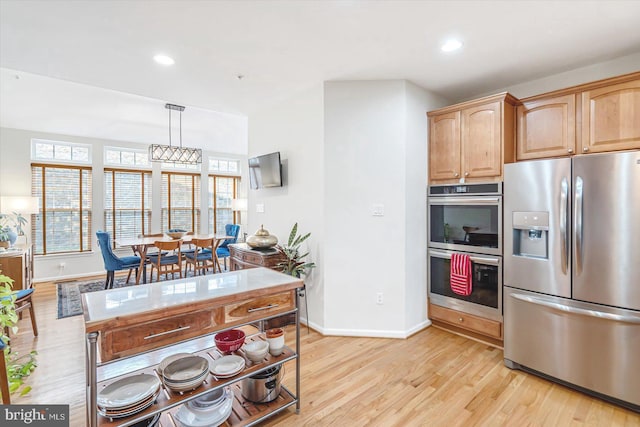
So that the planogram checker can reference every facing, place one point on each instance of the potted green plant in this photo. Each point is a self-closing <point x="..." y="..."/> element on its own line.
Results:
<point x="7" y="234"/>
<point x="294" y="265"/>
<point x="18" y="367"/>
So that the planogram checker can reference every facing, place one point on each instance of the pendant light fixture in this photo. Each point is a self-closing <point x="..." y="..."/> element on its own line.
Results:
<point x="175" y="154"/>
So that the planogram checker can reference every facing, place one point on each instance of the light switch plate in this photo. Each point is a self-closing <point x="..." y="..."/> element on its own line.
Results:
<point x="260" y="207"/>
<point x="377" y="209"/>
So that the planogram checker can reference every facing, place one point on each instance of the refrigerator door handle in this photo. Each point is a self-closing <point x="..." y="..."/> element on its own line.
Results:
<point x="578" y="224"/>
<point x="564" y="201"/>
<point x="575" y="310"/>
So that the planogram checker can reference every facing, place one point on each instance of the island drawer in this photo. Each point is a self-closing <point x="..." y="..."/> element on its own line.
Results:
<point x="154" y="333"/>
<point x="254" y="308"/>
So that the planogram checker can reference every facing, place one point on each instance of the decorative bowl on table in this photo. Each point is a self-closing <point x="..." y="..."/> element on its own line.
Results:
<point x="176" y="233"/>
<point x="262" y="239"/>
<point x="230" y="340"/>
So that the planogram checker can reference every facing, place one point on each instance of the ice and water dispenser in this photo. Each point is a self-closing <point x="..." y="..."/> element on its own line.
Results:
<point x="531" y="234"/>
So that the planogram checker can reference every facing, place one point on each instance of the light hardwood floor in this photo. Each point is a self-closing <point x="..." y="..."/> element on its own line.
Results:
<point x="434" y="378"/>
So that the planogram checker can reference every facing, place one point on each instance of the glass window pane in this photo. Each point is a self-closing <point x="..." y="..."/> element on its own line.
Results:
<point x="44" y="151"/>
<point x="128" y="158"/>
<point x="80" y="154"/>
<point x="112" y="157"/>
<point x="62" y="152"/>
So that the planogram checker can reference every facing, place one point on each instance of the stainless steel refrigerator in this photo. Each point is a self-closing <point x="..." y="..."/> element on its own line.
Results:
<point x="572" y="272"/>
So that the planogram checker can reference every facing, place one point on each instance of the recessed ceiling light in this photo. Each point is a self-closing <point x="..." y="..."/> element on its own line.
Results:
<point x="164" y="60"/>
<point x="451" y="45"/>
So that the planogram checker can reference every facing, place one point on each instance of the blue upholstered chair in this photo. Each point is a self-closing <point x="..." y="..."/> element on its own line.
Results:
<point x="112" y="262"/>
<point x="223" y="249"/>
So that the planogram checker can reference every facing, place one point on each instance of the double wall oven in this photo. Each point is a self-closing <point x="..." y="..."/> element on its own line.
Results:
<point x="466" y="218"/>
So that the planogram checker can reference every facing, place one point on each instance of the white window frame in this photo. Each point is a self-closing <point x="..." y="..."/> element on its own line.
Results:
<point x="148" y="166"/>
<point x="71" y="145"/>
<point x="181" y="167"/>
<point x="224" y="159"/>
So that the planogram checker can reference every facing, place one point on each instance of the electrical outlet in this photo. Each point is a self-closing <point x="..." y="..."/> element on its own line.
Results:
<point x="379" y="298"/>
<point x="62" y="265"/>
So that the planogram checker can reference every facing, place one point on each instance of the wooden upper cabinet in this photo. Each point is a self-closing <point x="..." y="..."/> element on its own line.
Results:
<point x="611" y="118"/>
<point x="546" y="128"/>
<point x="482" y="141"/>
<point x="444" y="146"/>
<point x="593" y="117"/>
<point x="472" y="140"/>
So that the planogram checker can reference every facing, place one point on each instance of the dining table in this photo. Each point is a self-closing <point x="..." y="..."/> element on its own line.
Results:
<point x="140" y="245"/>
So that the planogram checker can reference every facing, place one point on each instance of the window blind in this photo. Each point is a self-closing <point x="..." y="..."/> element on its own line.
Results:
<point x="180" y="201"/>
<point x="64" y="221"/>
<point x="127" y="204"/>
<point x="222" y="190"/>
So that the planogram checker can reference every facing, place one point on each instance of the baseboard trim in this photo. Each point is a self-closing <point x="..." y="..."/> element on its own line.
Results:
<point x="371" y="333"/>
<point x="68" y="277"/>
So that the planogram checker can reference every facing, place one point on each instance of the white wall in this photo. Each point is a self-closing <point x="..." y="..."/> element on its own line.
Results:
<point x="15" y="179"/>
<point x="375" y="153"/>
<point x="295" y="128"/>
<point x="602" y="70"/>
<point x="418" y="102"/>
<point x="350" y="145"/>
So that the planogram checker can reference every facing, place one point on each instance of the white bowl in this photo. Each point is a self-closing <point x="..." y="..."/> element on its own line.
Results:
<point x="256" y="350"/>
<point x="188" y="418"/>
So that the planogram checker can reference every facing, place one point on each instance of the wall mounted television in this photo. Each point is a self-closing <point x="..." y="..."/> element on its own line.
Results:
<point x="265" y="171"/>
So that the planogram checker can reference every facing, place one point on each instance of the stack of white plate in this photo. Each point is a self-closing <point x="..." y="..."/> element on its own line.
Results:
<point x="212" y="409"/>
<point x="128" y="396"/>
<point x="185" y="373"/>
<point x="227" y="366"/>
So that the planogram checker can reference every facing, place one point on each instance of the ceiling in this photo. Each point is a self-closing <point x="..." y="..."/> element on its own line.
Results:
<point x="283" y="47"/>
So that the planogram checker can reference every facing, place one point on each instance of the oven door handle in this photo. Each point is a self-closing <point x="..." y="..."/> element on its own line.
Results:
<point x="490" y="201"/>
<point x="474" y="258"/>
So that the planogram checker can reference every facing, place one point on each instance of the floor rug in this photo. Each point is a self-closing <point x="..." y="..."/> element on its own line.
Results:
<point x="69" y="294"/>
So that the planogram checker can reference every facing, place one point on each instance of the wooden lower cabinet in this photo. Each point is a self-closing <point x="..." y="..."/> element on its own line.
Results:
<point x="470" y="325"/>
<point x="242" y="256"/>
<point x="18" y="265"/>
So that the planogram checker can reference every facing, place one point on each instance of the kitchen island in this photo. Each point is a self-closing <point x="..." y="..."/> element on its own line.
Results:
<point x="130" y="330"/>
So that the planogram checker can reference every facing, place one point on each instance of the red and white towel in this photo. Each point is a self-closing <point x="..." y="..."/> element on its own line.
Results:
<point x="460" y="276"/>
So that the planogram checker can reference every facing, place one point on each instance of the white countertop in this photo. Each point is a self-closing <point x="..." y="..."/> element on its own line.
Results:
<point x="135" y="299"/>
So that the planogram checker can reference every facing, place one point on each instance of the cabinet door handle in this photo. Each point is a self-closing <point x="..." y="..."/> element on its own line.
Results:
<point x="466" y="174"/>
<point x="456" y="174"/>
<point x="460" y="319"/>
<point x="585" y="149"/>
<point x="181" y="328"/>
<point x="570" y="150"/>
<point x="266" y="307"/>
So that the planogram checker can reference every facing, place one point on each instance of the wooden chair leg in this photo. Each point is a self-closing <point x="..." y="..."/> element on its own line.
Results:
<point x="4" y="381"/>
<point x="129" y="275"/>
<point x="32" y="314"/>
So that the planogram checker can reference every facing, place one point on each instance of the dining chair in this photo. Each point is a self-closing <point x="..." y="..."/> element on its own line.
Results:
<point x="167" y="260"/>
<point x="112" y="262"/>
<point x="223" y="248"/>
<point x="202" y="256"/>
<point x="23" y="302"/>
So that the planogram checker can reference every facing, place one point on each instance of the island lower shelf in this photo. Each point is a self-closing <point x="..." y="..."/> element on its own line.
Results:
<point x="170" y="401"/>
